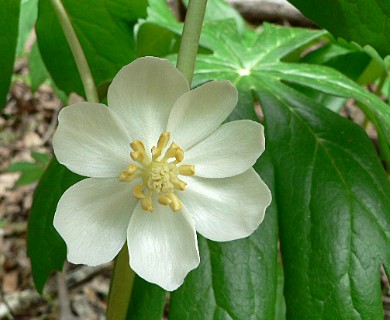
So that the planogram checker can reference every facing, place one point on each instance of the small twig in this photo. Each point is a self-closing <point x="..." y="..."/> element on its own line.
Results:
<point x="63" y="296"/>
<point x="51" y="128"/>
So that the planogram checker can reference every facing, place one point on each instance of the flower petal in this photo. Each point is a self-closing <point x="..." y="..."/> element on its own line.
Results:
<point x="163" y="246"/>
<point x="229" y="208"/>
<point x="232" y="149"/>
<point x="199" y="112"/>
<point x="92" y="217"/>
<point x="91" y="141"/>
<point x="143" y="93"/>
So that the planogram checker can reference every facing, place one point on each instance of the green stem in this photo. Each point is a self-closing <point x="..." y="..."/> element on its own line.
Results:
<point x="77" y="51"/>
<point x="190" y="38"/>
<point x="382" y="80"/>
<point x="121" y="287"/>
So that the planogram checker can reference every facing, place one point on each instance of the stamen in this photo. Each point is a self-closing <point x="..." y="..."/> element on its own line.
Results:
<point x="187" y="170"/>
<point x="179" y="156"/>
<point x="176" y="203"/>
<point x="163" y="140"/>
<point x="171" y="152"/>
<point x="131" y="169"/>
<point x="137" y="145"/>
<point x="164" y="200"/>
<point x="125" y="176"/>
<point x="137" y="192"/>
<point x="161" y="144"/>
<point x="156" y="153"/>
<point x="179" y="184"/>
<point x="146" y="202"/>
<point x="137" y="156"/>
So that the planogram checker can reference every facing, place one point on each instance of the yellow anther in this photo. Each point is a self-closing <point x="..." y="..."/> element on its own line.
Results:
<point x="163" y="140"/>
<point x="161" y="144"/>
<point x="156" y="152"/>
<point x="137" y="156"/>
<point x="171" y="152"/>
<point x="123" y="176"/>
<point x="126" y="177"/>
<point x="179" y="184"/>
<point x="137" y="145"/>
<point x="187" y="170"/>
<point x="179" y="155"/>
<point x="146" y="202"/>
<point x="131" y="169"/>
<point x="176" y="203"/>
<point x="137" y="192"/>
<point x="164" y="200"/>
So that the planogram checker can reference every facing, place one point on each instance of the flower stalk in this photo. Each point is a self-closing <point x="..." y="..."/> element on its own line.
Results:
<point x="190" y="38"/>
<point x="121" y="287"/>
<point x="77" y="51"/>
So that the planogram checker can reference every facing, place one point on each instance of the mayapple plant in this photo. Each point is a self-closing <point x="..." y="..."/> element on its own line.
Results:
<point x="159" y="170"/>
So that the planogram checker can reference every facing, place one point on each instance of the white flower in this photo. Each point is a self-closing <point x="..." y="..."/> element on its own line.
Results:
<point x="197" y="176"/>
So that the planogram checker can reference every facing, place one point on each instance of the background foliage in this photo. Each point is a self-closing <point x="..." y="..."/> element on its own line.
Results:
<point x="331" y="194"/>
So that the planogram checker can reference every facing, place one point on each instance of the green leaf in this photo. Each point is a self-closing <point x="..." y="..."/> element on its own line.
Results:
<point x="28" y="16"/>
<point x="30" y="172"/>
<point x="147" y="301"/>
<point x="333" y="200"/>
<point x="38" y="71"/>
<point x="105" y="31"/>
<point x="148" y="44"/>
<point x="45" y="247"/>
<point x="8" y="36"/>
<point x="330" y="81"/>
<point x="236" y="279"/>
<point x="364" y="21"/>
<point x="242" y="59"/>
<point x="41" y="157"/>
<point x="220" y="10"/>
<point x="349" y="59"/>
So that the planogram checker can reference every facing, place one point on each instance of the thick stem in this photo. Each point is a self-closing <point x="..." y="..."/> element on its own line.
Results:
<point x="190" y="38"/>
<point x="77" y="51"/>
<point x="121" y="287"/>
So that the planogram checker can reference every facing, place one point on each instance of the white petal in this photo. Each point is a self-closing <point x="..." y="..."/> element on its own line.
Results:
<point x="163" y="246"/>
<point x="199" y="112"/>
<point x="229" y="208"/>
<point x="92" y="217"/>
<point x="232" y="149"/>
<point x="143" y="93"/>
<point x="91" y="141"/>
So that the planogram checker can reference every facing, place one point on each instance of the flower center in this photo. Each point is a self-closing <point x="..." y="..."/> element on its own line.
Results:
<point x="159" y="174"/>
